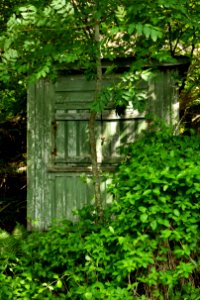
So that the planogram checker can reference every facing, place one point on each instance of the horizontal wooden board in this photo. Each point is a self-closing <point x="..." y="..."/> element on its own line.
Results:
<point x="79" y="83"/>
<point x="79" y="169"/>
<point x="75" y="96"/>
<point x="83" y="115"/>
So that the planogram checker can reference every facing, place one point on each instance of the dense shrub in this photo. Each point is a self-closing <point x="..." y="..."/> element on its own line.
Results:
<point x="157" y="215"/>
<point x="147" y="246"/>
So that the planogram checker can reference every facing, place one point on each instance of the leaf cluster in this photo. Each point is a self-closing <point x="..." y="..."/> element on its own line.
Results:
<point x="147" y="246"/>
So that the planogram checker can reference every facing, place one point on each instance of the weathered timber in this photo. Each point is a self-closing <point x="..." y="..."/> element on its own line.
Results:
<point x="59" y="164"/>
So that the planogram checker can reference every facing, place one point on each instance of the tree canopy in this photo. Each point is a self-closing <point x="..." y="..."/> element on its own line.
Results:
<point x="42" y="36"/>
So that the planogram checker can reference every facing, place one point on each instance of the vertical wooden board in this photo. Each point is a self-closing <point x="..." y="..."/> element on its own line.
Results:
<point x="38" y="206"/>
<point x="31" y="153"/>
<point x="155" y="105"/>
<point x="52" y="199"/>
<point x="43" y="129"/>
<point x="71" y="139"/>
<point x="39" y="161"/>
<point x="61" y="195"/>
<point x="48" y="112"/>
<point x="110" y="140"/>
<point x="60" y="143"/>
<point x="82" y="189"/>
<point x="71" y="193"/>
<point x="173" y="98"/>
<point x="130" y="130"/>
<point x="105" y="196"/>
<point x="79" y="197"/>
<point x="164" y="97"/>
<point x="83" y="139"/>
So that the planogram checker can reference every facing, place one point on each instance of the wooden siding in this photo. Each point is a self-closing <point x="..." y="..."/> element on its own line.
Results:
<point x="58" y="146"/>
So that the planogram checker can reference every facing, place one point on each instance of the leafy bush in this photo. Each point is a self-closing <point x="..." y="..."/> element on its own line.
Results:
<point x="157" y="215"/>
<point x="147" y="246"/>
<point x="12" y="99"/>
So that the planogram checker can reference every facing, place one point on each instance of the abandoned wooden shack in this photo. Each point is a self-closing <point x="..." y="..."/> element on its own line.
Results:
<point x="58" y="146"/>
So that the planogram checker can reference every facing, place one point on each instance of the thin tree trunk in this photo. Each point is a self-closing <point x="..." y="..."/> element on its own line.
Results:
<point x="91" y="126"/>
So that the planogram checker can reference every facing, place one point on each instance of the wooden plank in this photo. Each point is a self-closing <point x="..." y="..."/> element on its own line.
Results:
<point x="38" y="202"/>
<point x="84" y="115"/>
<point x="80" y="83"/>
<point x="77" y="96"/>
<point x="71" y="139"/>
<point x="74" y="105"/>
<point x="110" y="139"/>
<point x="31" y="153"/>
<point x="163" y="97"/>
<point x="60" y="141"/>
<point x="74" y="83"/>
<point x="73" y="160"/>
<point x="78" y="169"/>
<point x="72" y="193"/>
<point x="130" y="131"/>
<point x="83" y="148"/>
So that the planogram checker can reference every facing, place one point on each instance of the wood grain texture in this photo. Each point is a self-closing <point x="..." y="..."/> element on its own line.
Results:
<point x="59" y="164"/>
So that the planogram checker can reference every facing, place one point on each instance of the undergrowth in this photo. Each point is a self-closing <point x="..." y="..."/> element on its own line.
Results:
<point x="147" y="246"/>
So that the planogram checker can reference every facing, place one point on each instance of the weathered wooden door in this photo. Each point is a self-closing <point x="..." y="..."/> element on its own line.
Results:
<point x="59" y="168"/>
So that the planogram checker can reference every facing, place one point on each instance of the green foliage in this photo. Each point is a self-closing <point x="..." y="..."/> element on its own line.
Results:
<point x="147" y="246"/>
<point x="7" y="102"/>
<point x="127" y="89"/>
<point x="42" y="37"/>
<point x="157" y="191"/>
<point x="12" y="94"/>
<point x="12" y="99"/>
<point x="190" y="98"/>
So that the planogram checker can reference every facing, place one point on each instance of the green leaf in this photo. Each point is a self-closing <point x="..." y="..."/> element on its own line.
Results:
<point x="142" y="208"/>
<point x="88" y="296"/>
<point x="30" y="8"/>
<point x="165" y="187"/>
<point x="147" y="192"/>
<point x="164" y="222"/>
<point x="153" y="224"/>
<point x="166" y="233"/>
<point x="146" y="31"/>
<point x="139" y="28"/>
<point x="144" y="218"/>
<point x="58" y="4"/>
<point x="121" y="13"/>
<point x="87" y="257"/>
<point x="59" y="284"/>
<point x="131" y="28"/>
<point x="121" y="239"/>
<point x="176" y="212"/>
<point x="111" y="229"/>
<point x="146" y="75"/>
<point x="156" y="191"/>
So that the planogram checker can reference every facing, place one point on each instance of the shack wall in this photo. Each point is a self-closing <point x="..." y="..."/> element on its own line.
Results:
<point x="58" y="146"/>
